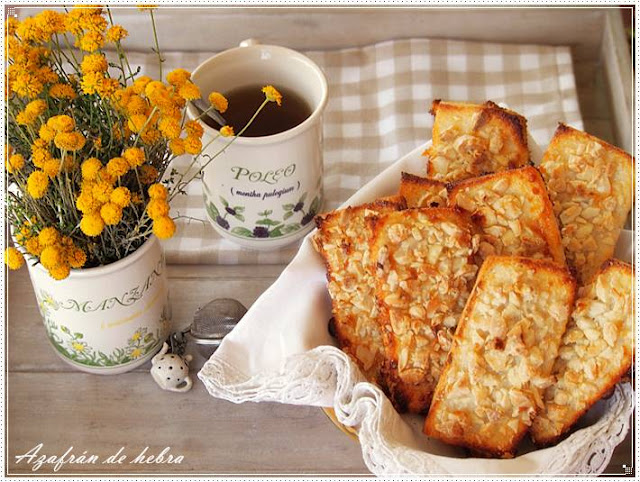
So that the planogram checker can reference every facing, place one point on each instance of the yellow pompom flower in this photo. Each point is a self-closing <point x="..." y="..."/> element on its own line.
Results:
<point x="107" y="88"/>
<point x="102" y="191"/>
<point x="46" y="133"/>
<point x="137" y="122"/>
<point x="51" y="22"/>
<point x="118" y="166"/>
<point x="189" y="91"/>
<point x="15" y="163"/>
<point x="40" y="156"/>
<point x="176" y="146"/>
<point x="52" y="167"/>
<point x="219" y="102"/>
<point x="69" y="141"/>
<point x="61" y="123"/>
<point x="116" y="33"/>
<point x="24" y="118"/>
<point x="94" y="63"/>
<point x="136" y="105"/>
<point x="134" y="156"/>
<point x="147" y="174"/>
<point x="158" y="191"/>
<point x="111" y="213"/>
<point x="60" y="271"/>
<point x="76" y="257"/>
<point x="121" y="196"/>
<point x="178" y="77"/>
<point x="92" y="224"/>
<point x="51" y="256"/>
<point x="13" y="258"/>
<point x="227" y="131"/>
<point x="86" y="203"/>
<point x="169" y="127"/>
<point x="150" y="136"/>
<point x="90" y="168"/>
<point x="91" y="41"/>
<point x="33" y="246"/>
<point x="192" y="145"/>
<point x="91" y="81"/>
<point x="37" y="184"/>
<point x="157" y="208"/>
<point x="49" y="236"/>
<point x="194" y="129"/>
<point x="164" y="227"/>
<point x="62" y="91"/>
<point x="140" y="84"/>
<point x="36" y="107"/>
<point x="272" y="94"/>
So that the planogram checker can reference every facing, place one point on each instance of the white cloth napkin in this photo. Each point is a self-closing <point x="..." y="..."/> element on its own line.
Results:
<point x="281" y="352"/>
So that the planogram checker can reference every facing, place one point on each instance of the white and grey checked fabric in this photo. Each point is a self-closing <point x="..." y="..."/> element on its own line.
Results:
<point x="379" y="98"/>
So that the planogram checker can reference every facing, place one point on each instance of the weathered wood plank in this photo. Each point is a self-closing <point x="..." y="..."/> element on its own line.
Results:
<point x="102" y="414"/>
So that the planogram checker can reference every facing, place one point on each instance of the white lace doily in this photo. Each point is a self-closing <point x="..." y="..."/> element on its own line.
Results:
<point x="390" y="445"/>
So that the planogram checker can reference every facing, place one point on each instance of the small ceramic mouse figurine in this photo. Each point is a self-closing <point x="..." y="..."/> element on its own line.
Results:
<point x="171" y="371"/>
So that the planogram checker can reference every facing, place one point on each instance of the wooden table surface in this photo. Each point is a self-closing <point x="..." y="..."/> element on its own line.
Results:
<point x="50" y="403"/>
<point x="53" y="404"/>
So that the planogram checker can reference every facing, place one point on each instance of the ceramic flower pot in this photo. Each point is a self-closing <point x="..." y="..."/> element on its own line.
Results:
<point x="109" y="319"/>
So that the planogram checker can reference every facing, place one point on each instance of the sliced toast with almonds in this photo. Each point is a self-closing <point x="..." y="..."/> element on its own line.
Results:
<point x="513" y="211"/>
<point x="421" y="192"/>
<point x="473" y="139"/>
<point x="343" y="241"/>
<point x="590" y="184"/>
<point x="424" y="272"/>
<point x="502" y="355"/>
<point x="596" y="351"/>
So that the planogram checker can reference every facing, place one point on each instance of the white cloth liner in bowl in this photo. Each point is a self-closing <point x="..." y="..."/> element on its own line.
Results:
<point x="281" y="351"/>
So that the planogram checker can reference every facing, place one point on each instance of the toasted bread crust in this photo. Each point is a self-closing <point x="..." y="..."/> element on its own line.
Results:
<point x="423" y="276"/>
<point x="471" y="139"/>
<point x="590" y="183"/>
<point x="421" y="192"/>
<point x="514" y="214"/>
<point x="492" y="384"/>
<point x="343" y="241"/>
<point x="595" y="353"/>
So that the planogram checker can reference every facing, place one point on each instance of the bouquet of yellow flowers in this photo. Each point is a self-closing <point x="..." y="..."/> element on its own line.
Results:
<point x="88" y="149"/>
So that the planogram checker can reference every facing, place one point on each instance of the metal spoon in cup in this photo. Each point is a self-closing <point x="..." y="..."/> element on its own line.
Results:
<point x="205" y="109"/>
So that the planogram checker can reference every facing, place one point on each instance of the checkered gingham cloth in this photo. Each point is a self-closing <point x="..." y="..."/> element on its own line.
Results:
<point x="379" y="98"/>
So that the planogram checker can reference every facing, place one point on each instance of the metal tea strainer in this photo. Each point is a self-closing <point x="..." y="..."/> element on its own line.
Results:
<point x="211" y="323"/>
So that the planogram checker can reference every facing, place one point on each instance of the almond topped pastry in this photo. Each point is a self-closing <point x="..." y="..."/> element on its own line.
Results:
<point x="513" y="211"/>
<point x="473" y="139"/>
<point x="343" y="241"/>
<point x="421" y="192"/>
<point x="590" y="184"/>
<point x="596" y="351"/>
<point x="423" y="273"/>
<point x="502" y="355"/>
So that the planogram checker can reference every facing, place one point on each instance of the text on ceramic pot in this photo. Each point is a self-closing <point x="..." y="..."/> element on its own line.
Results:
<point x="268" y="177"/>
<point x="127" y="299"/>
<point x="56" y="462"/>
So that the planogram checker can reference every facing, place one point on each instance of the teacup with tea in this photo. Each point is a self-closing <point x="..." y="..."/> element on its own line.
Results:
<point x="265" y="189"/>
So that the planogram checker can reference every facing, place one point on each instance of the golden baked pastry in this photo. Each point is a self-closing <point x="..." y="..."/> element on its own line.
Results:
<point x="513" y="211"/>
<point x="424" y="273"/>
<point x="502" y="355"/>
<point x="472" y="139"/>
<point x="421" y="192"/>
<point x="590" y="184"/>
<point x="343" y="241"/>
<point x="596" y="351"/>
